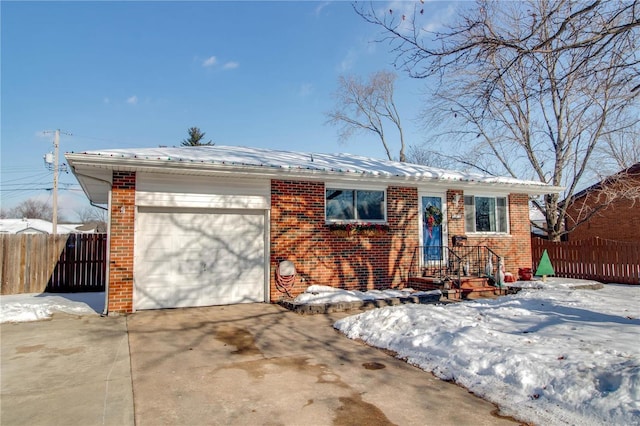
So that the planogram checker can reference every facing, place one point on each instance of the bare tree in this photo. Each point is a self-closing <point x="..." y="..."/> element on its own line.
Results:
<point x="92" y="214"/>
<point x="421" y="154"/>
<point x="367" y="106"/>
<point x="619" y="151"/>
<point x="529" y="89"/>
<point x="32" y="209"/>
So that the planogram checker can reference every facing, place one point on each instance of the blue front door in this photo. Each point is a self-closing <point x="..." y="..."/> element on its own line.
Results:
<point x="432" y="218"/>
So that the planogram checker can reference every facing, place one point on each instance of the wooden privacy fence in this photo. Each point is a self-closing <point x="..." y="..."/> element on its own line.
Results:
<point x="594" y="259"/>
<point x="34" y="263"/>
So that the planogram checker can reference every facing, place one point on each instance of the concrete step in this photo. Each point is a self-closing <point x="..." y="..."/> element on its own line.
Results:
<point x="473" y="282"/>
<point x="487" y="292"/>
<point x="470" y="287"/>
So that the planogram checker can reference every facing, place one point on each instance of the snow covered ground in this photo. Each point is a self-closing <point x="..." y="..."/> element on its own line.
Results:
<point x="39" y="306"/>
<point x="553" y="356"/>
<point x="325" y="294"/>
<point x="550" y="355"/>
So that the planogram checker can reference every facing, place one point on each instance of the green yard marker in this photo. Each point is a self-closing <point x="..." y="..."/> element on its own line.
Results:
<point x="545" y="267"/>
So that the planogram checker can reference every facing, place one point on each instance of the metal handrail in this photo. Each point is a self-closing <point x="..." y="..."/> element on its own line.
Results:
<point x="459" y="261"/>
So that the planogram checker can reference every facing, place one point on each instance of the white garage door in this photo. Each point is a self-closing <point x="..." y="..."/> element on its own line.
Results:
<point x="198" y="258"/>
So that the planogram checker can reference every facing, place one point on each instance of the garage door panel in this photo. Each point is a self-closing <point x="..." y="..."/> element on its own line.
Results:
<point x="198" y="259"/>
<point x="162" y="297"/>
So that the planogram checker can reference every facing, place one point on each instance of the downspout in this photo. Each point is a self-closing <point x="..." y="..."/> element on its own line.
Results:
<point x="105" y="311"/>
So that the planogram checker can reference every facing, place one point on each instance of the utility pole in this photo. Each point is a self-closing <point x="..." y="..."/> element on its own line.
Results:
<point x="56" y="170"/>
<point x="56" y="149"/>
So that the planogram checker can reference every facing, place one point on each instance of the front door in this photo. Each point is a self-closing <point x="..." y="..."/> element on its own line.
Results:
<point x="432" y="218"/>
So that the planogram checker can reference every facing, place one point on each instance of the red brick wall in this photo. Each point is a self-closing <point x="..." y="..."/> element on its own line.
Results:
<point x="121" y="242"/>
<point x="455" y="214"/>
<point x="620" y="221"/>
<point x="515" y="247"/>
<point x="322" y="256"/>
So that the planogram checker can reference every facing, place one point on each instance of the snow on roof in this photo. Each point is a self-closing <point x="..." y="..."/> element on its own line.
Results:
<point x="33" y="226"/>
<point x="345" y="164"/>
<point x="536" y="215"/>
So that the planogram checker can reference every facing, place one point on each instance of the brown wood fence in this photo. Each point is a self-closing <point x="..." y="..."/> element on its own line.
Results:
<point x="34" y="263"/>
<point x="593" y="259"/>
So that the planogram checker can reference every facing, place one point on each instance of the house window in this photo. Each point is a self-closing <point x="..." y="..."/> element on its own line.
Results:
<point x="485" y="214"/>
<point x="355" y="205"/>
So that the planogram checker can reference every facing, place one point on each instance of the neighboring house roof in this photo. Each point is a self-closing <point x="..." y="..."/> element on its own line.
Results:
<point x="537" y="217"/>
<point x="93" y="226"/>
<point x="93" y="168"/>
<point x="633" y="170"/>
<point x="33" y="226"/>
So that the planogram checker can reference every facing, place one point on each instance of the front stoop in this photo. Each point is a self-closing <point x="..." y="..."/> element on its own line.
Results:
<point x="470" y="288"/>
<point x="487" y="292"/>
<point x="326" y="308"/>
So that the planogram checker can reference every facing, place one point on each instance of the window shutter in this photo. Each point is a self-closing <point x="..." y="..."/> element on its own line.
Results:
<point x="502" y="214"/>
<point x="469" y="214"/>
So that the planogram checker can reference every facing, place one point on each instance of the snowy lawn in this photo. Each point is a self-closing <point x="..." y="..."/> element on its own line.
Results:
<point x="39" y="306"/>
<point x="315" y="294"/>
<point x="550" y="356"/>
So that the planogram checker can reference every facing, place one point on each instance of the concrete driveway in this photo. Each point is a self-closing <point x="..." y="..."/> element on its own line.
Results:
<point x="258" y="364"/>
<point x="70" y="370"/>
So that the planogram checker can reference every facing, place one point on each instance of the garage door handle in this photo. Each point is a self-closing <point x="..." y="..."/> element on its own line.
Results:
<point x="203" y="266"/>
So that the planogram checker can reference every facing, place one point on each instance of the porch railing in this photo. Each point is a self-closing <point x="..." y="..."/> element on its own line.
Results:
<point x="455" y="263"/>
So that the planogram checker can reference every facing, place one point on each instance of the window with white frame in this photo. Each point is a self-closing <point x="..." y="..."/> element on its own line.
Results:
<point x="355" y="205"/>
<point x="485" y="214"/>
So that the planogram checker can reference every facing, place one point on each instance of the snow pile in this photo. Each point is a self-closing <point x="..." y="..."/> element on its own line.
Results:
<point x="555" y="283"/>
<point x="39" y="306"/>
<point x="317" y="294"/>
<point x="553" y="356"/>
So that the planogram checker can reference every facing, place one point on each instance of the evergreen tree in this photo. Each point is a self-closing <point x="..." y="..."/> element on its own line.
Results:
<point x="195" y="138"/>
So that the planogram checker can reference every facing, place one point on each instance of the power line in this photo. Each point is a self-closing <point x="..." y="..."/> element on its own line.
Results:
<point x="44" y="188"/>
<point x="6" y="170"/>
<point x="23" y="185"/>
<point x="39" y="175"/>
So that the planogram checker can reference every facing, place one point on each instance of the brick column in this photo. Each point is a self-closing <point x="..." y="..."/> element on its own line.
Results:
<point x="520" y="227"/>
<point x="123" y="192"/>
<point x="455" y="225"/>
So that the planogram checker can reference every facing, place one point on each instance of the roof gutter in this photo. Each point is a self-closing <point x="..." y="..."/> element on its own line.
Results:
<point x="190" y="167"/>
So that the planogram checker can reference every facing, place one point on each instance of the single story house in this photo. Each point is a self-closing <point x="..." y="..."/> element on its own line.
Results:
<point x="35" y="226"/>
<point x="608" y="209"/>
<point x="211" y="225"/>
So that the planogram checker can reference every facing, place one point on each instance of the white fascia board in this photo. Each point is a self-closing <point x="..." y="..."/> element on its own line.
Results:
<point x="96" y="183"/>
<point x="504" y="188"/>
<point x="213" y="169"/>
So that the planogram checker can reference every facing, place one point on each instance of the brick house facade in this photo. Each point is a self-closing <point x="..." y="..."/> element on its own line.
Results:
<point x="514" y="247"/>
<point x="363" y="262"/>
<point x="619" y="220"/>
<point x="299" y="233"/>
<point x="234" y="207"/>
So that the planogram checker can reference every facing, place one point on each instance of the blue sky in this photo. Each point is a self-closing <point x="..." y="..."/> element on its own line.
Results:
<point x="139" y="74"/>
